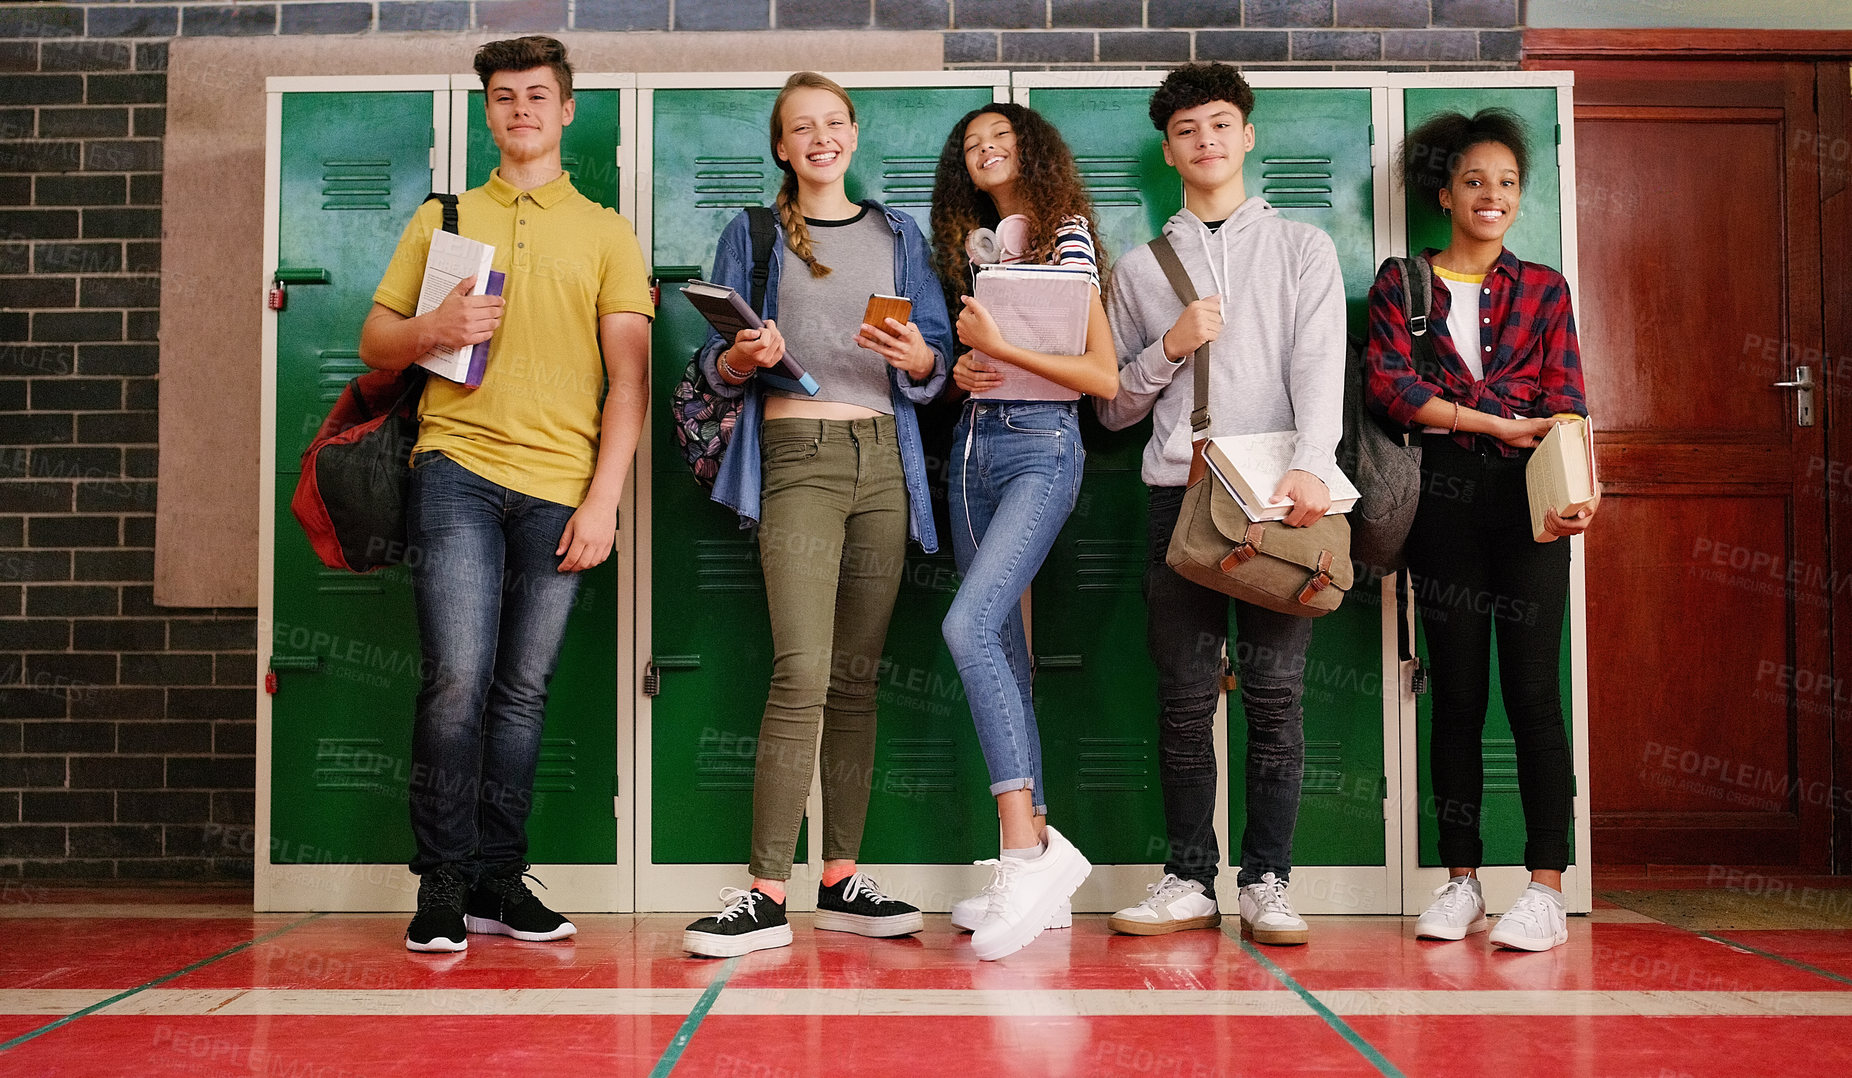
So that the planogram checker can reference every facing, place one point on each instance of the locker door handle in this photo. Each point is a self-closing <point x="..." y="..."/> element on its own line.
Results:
<point x="305" y="663"/>
<point x="1057" y="662"/>
<point x="302" y="275"/>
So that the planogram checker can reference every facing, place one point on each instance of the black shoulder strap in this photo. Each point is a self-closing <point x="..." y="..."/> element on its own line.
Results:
<point x="449" y="202"/>
<point x="1417" y="305"/>
<point x="764" y="228"/>
<point x="1186" y="291"/>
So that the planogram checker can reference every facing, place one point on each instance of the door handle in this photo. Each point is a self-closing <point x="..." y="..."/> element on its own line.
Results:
<point x="1803" y="387"/>
<point x="652" y="673"/>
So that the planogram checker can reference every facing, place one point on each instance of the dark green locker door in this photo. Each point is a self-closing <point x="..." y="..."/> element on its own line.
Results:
<point x="1537" y="236"/>
<point x="711" y="157"/>
<point x="1096" y="687"/>
<point x="346" y="646"/>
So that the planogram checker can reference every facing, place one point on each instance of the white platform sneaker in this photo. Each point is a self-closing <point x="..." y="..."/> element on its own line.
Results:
<point x="1024" y="895"/>
<point x="968" y="914"/>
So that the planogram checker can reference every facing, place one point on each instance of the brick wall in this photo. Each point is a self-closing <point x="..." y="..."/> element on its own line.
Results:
<point x="126" y="730"/>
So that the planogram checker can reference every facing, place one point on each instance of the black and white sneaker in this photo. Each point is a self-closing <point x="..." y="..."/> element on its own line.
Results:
<point x="748" y="921"/>
<point x="438" y="924"/>
<point x="503" y="906"/>
<point x="855" y="904"/>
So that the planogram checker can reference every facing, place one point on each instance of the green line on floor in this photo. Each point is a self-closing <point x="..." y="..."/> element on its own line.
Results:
<point x="157" y="982"/>
<point x="1795" y="962"/>
<point x="673" y="1053"/>
<point x="1342" y="1028"/>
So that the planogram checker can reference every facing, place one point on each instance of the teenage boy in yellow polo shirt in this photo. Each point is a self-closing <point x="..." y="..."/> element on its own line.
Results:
<point x="514" y="490"/>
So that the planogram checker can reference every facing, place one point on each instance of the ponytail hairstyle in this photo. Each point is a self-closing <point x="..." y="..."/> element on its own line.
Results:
<point x="1047" y="181"/>
<point x="797" y="234"/>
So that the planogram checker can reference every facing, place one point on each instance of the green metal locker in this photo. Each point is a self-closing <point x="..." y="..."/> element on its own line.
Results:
<point x="929" y="804"/>
<point x="1536" y="236"/>
<point x="346" y="646"/>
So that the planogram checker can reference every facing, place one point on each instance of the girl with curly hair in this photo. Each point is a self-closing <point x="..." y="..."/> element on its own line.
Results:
<point x="1014" y="477"/>
<point x="1509" y="369"/>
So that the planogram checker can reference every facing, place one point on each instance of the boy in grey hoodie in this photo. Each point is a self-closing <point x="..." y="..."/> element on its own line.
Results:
<point x="1273" y="313"/>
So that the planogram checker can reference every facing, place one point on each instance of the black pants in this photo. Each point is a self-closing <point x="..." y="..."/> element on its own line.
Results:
<point x="1476" y="570"/>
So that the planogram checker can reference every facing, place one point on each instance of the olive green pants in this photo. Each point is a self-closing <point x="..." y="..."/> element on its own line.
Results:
<point x="832" y="542"/>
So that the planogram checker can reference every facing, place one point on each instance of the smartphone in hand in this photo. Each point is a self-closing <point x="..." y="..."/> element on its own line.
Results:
<point x="881" y="308"/>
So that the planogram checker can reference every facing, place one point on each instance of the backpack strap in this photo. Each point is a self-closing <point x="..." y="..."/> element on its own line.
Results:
<point x="763" y="225"/>
<point x="1417" y="305"/>
<point x="449" y="202"/>
<point x="1186" y="291"/>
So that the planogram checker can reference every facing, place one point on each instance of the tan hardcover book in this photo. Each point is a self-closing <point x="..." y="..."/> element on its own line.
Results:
<point x="1251" y="467"/>
<point x="1561" y="473"/>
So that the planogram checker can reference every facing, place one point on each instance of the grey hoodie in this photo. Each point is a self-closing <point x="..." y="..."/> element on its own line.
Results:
<point x="1279" y="363"/>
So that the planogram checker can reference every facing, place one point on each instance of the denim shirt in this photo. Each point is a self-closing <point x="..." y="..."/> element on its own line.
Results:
<point x="738" y="485"/>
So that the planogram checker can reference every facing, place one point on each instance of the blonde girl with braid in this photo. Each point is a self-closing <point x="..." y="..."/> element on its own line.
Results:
<point x="836" y="485"/>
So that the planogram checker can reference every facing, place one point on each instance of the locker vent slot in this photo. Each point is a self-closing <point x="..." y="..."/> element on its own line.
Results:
<point x="357" y="185"/>
<point x="918" y="765"/>
<point x="1116" y="764"/>
<point x="930" y="574"/>
<point x="353" y="763"/>
<point x="1324" y="767"/>
<point x="724" y="182"/>
<point x="1501" y="765"/>
<point x="1113" y="181"/>
<point x="724" y="761"/>
<point x="558" y="770"/>
<point x="727" y="565"/>
<point x="1109" y="564"/>
<point x="1302" y="182"/>
<point x="338" y="367"/>
<point x="907" y="181"/>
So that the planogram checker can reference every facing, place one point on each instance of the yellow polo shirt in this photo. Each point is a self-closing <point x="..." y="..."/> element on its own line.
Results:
<point x="533" y="424"/>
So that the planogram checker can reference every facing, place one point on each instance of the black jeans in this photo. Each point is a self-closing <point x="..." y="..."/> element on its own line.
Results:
<point x="1186" y="628"/>
<point x="1479" y="574"/>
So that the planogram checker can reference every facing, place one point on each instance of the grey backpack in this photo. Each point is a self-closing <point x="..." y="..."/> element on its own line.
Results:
<point x="1385" y="466"/>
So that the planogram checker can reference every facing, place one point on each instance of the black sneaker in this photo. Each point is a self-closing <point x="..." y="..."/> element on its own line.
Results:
<point x="855" y="904"/>
<point x="748" y="921"/>
<point x="503" y="906"/>
<point x="438" y="925"/>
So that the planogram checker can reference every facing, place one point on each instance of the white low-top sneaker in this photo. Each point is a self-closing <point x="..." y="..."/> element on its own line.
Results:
<point x="1267" y="915"/>
<point x="1535" y="922"/>
<point x="1457" y="912"/>
<point x="1174" y="905"/>
<point x="1024" y="894"/>
<point x="969" y="914"/>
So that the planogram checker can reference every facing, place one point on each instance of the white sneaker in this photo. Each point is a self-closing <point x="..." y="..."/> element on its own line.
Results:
<point x="1535" y="922"/>
<point x="1457" y="912"/>
<point x="1174" y="905"/>
<point x="1024" y="894"/>
<point x="969" y="914"/>
<point x="1267" y="915"/>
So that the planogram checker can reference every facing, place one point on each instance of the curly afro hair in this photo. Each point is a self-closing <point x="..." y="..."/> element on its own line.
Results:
<point x="1198" y="84"/>
<point x="1431" y="153"/>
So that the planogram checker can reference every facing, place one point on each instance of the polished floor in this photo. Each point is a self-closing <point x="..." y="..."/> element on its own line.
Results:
<point x="178" y="981"/>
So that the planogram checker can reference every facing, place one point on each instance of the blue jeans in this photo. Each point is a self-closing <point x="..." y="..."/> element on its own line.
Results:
<point x="1186" y="629"/>
<point x="1015" y="474"/>
<point x="492" y="607"/>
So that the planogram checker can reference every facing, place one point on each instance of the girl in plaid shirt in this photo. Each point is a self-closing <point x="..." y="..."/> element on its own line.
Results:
<point x="1509" y="369"/>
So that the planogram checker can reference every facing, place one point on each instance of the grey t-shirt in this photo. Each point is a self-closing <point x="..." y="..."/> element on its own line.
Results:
<point x="819" y="316"/>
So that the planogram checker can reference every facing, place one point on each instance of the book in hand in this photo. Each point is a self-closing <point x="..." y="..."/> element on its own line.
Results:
<point x="1561" y="474"/>
<point x="729" y="313"/>
<point x="1251" y="466"/>
<point x="452" y="259"/>
<point x="1042" y="309"/>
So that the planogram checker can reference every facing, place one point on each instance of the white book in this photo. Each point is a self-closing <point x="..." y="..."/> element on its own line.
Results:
<point x="1251" y="466"/>
<point x="451" y="259"/>
<point x="1561" y="473"/>
<point x="1042" y="309"/>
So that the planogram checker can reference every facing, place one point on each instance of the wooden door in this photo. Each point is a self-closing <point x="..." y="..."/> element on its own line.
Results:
<point x="1709" y="576"/>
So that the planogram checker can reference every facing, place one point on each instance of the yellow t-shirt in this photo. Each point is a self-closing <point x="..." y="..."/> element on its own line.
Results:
<point x="533" y="424"/>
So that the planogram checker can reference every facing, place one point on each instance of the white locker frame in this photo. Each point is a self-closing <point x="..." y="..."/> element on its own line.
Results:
<point x="633" y="881"/>
<point x="367" y="887"/>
